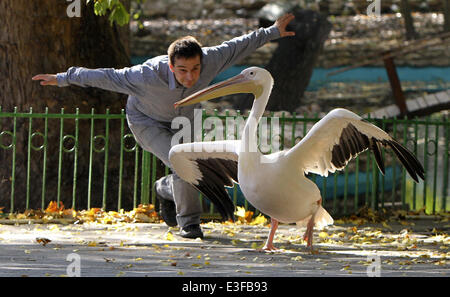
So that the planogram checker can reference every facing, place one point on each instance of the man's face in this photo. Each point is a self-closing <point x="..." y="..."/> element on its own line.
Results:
<point x="186" y="71"/>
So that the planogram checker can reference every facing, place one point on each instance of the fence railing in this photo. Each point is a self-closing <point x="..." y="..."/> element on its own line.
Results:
<point x="91" y="160"/>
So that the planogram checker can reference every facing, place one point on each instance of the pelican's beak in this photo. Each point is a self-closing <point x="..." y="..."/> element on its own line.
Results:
<point x="234" y="85"/>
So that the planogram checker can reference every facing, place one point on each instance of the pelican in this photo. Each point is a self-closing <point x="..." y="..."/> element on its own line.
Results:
<point x="276" y="183"/>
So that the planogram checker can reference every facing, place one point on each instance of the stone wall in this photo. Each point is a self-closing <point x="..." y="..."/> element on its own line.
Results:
<point x="194" y="9"/>
<point x="352" y="38"/>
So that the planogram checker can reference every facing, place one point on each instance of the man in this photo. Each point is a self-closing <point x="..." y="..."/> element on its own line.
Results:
<point x="153" y="87"/>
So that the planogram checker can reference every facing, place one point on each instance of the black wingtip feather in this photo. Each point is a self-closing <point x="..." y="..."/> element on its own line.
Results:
<point x="412" y="160"/>
<point x="352" y="142"/>
<point x="218" y="173"/>
<point x="376" y="151"/>
<point x="411" y="164"/>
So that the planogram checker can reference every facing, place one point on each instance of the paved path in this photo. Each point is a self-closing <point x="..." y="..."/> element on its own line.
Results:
<point x="407" y="248"/>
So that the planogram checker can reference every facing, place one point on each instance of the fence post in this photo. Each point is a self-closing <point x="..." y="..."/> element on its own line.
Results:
<point x="446" y="154"/>
<point x="145" y="177"/>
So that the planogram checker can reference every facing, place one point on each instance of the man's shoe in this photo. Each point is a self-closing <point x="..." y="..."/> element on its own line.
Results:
<point x="191" y="231"/>
<point x="167" y="212"/>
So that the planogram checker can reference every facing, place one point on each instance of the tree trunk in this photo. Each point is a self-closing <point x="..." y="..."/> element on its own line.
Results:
<point x="39" y="37"/>
<point x="293" y="62"/>
<point x="446" y="9"/>
<point x="409" y="22"/>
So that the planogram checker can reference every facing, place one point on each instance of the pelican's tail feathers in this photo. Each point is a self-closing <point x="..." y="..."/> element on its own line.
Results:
<point x="321" y="219"/>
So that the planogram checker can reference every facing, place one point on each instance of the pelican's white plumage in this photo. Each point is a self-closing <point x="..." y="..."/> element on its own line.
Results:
<point x="276" y="183"/>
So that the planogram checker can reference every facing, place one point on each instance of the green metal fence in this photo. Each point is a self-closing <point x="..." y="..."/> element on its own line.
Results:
<point x="91" y="160"/>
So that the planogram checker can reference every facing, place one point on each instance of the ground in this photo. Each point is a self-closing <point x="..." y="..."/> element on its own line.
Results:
<point x="396" y="247"/>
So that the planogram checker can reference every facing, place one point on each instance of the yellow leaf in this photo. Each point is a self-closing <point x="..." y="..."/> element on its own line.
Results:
<point x="138" y="259"/>
<point x="169" y="236"/>
<point x="180" y="273"/>
<point x="248" y="216"/>
<point x="386" y="225"/>
<point x="235" y="242"/>
<point x="259" y="220"/>
<point x="256" y="245"/>
<point x="323" y="235"/>
<point x="240" y="212"/>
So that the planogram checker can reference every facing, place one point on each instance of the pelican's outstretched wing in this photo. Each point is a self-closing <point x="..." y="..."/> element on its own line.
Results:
<point x="209" y="166"/>
<point x="340" y="136"/>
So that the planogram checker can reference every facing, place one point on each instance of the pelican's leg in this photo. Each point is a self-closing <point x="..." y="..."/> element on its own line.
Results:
<point x="309" y="233"/>
<point x="310" y="230"/>
<point x="273" y="227"/>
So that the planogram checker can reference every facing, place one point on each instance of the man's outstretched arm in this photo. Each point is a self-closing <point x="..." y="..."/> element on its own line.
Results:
<point x="46" y="79"/>
<point x="234" y="50"/>
<point x="128" y="80"/>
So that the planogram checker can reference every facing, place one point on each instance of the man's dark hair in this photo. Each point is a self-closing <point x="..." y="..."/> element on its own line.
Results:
<point x="185" y="47"/>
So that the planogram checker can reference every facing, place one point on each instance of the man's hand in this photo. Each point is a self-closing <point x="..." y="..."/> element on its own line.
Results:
<point x="282" y="22"/>
<point x="46" y="79"/>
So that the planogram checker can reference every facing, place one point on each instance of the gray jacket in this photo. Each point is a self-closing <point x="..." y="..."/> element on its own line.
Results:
<point x="152" y="87"/>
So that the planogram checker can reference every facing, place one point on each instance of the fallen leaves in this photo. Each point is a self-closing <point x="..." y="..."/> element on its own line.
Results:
<point x="169" y="236"/>
<point x="57" y="213"/>
<point x="42" y="240"/>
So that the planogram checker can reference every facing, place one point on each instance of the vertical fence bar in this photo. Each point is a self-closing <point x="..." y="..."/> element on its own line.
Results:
<point x="383" y="154"/>
<point x="105" y="168"/>
<point x="91" y="149"/>
<point x="403" y="185"/>
<point x="368" y="162"/>
<point x="425" y="162"/>
<point x="75" y="159"/>
<point x="211" y="205"/>
<point x="61" y="139"/>
<point x="446" y="154"/>
<point x="294" y="122"/>
<point x="13" y="171"/>
<point x="436" y="154"/>
<point x="122" y="131"/>
<point x="153" y="175"/>
<point x="136" y="175"/>
<point x="367" y="177"/>
<point x="394" y="169"/>
<point x="30" y="129"/>
<point x="145" y="176"/>
<point x="345" y="188"/>
<point x="416" y="137"/>
<point x="44" y="165"/>
<point x="335" y="192"/>
<point x="374" y="200"/>
<point x="202" y="137"/>
<point x="356" y="202"/>
<point x="305" y="130"/>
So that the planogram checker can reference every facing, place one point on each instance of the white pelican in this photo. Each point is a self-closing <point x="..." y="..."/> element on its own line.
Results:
<point x="276" y="183"/>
